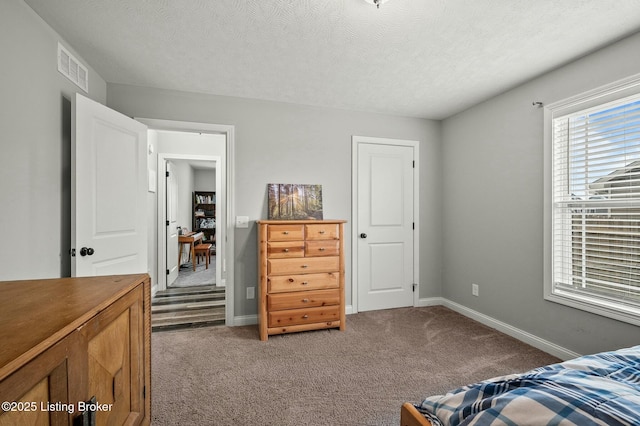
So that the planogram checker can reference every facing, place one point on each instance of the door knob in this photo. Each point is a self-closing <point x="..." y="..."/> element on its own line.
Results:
<point x="84" y="251"/>
<point x="363" y="235"/>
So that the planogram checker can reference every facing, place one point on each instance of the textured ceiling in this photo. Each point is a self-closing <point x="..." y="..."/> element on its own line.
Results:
<point x="421" y="58"/>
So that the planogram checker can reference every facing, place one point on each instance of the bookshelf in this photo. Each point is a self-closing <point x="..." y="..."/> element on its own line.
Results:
<point x="204" y="215"/>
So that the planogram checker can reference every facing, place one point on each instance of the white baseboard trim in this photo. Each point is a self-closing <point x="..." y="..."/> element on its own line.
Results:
<point x="431" y="301"/>
<point x="348" y="309"/>
<point x="245" y="320"/>
<point x="524" y="336"/>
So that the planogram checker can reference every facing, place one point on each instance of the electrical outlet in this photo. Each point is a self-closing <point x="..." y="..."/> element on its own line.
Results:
<point x="475" y="289"/>
<point x="251" y="292"/>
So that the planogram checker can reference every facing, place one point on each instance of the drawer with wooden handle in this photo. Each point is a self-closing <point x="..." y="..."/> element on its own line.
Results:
<point x="285" y="249"/>
<point x="303" y="265"/>
<point x="322" y="231"/>
<point x="283" y="283"/>
<point x="291" y="232"/>
<point x="304" y="316"/>
<point x="322" y="248"/>
<point x="302" y="299"/>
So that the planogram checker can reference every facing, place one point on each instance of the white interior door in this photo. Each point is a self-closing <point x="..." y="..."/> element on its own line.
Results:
<point x="172" y="224"/>
<point x="108" y="191"/>
<point x="385" y="252"/>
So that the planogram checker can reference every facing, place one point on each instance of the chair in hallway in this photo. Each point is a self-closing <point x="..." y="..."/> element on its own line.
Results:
<point x="203" y="250"/>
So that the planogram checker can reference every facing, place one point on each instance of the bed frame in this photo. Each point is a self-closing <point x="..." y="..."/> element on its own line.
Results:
<point x="410" y="416"/>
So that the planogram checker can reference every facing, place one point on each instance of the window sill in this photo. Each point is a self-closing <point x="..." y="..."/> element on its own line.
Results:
<point x="611" y="310"/>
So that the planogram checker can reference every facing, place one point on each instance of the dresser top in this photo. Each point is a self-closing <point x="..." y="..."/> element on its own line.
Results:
<point x="294" y="222"/>
<point x="36" y="314"/>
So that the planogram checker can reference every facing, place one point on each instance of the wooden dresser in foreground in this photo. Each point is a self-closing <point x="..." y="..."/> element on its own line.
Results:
<point x="301" y="271"/>
<point x="75" y="351"/>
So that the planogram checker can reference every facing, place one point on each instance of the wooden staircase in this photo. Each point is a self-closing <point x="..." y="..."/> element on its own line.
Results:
<point x="182" y="307"/>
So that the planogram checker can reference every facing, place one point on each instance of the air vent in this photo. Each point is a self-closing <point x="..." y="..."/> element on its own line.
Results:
<point x="70" y="67"/>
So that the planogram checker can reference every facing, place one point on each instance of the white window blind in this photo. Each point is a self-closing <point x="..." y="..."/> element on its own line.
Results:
<point x="596" y="205"/>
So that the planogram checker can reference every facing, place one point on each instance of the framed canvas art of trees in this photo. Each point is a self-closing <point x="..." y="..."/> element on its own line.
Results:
<point x="294" y="201"/>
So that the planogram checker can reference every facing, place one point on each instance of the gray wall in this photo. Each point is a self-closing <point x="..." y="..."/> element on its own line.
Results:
<point x="283" y="143"/>
<point x="204" y="180"/>
<point x="35" y="159"/>
<point x="493" y="203"/>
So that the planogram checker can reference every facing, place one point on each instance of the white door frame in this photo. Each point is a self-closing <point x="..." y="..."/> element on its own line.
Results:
<point x="162" y="215"/>
<point x="227" y="260"/>
<point x="355" y="142"/>
<point x="170" y="197"/>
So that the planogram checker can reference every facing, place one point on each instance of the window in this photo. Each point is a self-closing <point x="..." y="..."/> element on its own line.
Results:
<point x="593" y="194"/>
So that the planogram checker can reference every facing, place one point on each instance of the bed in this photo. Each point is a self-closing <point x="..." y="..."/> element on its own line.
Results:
<point x="600" y="389"/>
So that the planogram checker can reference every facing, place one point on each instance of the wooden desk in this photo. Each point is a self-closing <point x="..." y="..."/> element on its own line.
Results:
<point x="190" y="238"/>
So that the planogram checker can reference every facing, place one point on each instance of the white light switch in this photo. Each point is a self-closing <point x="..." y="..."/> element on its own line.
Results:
<point x="242" y="221"/>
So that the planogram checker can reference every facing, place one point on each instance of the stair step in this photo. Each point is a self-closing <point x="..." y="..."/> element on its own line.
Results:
<point x="186" y="306"/>
<point x="179" y="326"/>
<point x="175" y="316"/>
<point x="190" y="290"/>
<point x="187" y="298"/>
<point x="188" y="320"/>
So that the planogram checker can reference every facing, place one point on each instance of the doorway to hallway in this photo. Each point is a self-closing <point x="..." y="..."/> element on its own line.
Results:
<point x="182" y="141"/>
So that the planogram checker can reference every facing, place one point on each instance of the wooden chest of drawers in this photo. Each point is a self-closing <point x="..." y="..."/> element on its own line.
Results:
<point x="301" y="270"/>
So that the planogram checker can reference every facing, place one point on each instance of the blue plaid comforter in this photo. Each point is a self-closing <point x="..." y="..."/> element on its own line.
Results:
<point x="600" y="389"/>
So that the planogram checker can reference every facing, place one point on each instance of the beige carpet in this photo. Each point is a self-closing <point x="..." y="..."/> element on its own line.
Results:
<point x="226" y="376"/>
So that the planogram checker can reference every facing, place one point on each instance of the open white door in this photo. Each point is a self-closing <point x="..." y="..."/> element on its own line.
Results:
<point x="108" y="191"/>
<point x="385" y="221"/>
<point x="172" y="224"/>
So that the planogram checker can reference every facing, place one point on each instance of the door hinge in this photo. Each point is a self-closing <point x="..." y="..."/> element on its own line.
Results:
<point x="167" y="272"/>
<point x="414" y="164"/>
<point x="413" y="225"/>
<point x="167" y="223"/>
<point x="72" y="252"/>
<point x="414" y="287"/>
<point x="167" y="174"/>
